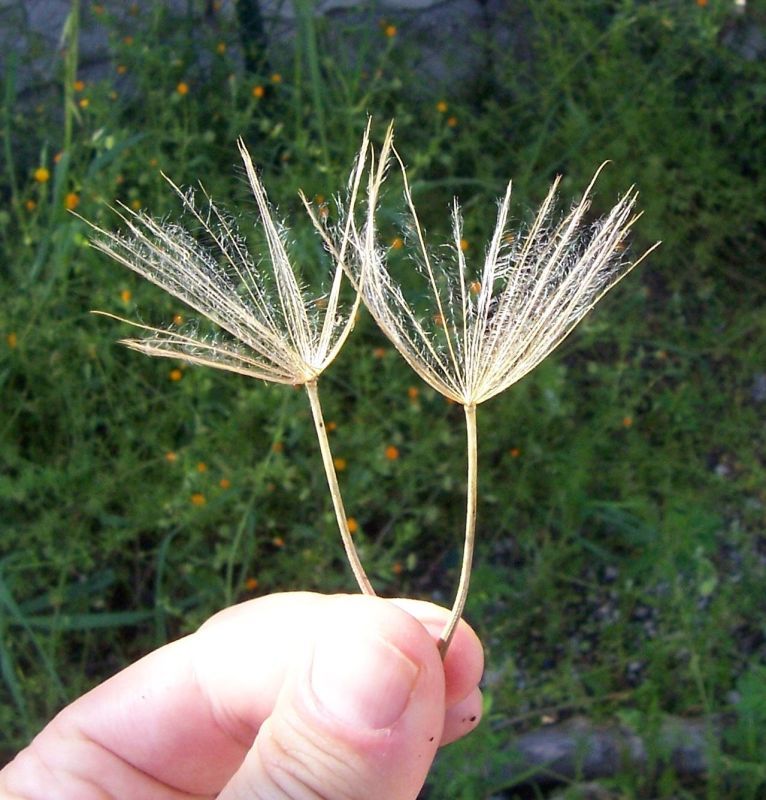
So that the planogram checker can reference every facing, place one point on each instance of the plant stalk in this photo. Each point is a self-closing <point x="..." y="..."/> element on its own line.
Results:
<point x="337" y="501"/>
<point x="470" y="531"/>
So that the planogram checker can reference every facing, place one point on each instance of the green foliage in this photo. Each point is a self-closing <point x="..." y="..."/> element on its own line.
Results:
<point x="621" y="558"/>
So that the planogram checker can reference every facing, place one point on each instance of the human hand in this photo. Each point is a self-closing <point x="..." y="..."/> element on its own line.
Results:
<point x="289" y="696"/>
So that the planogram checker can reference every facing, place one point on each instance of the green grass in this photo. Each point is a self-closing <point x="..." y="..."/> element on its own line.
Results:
<point x="622" y="556"/>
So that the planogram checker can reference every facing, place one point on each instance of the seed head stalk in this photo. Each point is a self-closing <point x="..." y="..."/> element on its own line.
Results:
<point x="337" y="500"/>
<point x="470" y="531"/>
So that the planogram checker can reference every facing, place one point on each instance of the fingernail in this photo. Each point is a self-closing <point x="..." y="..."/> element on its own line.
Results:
<point x="364" y="681"/>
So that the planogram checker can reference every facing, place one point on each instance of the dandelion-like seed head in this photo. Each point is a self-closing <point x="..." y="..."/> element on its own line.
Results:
<point x="488" y="328"/>
<point x="269" y="325"/>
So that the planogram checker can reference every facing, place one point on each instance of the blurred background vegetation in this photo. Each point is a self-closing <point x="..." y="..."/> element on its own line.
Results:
<point x="622" y="553"/>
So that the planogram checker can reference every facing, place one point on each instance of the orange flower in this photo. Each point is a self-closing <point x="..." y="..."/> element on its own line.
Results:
<point x="251" y="584"/>
<point x="220" y="48"/>
<point x="224" y="483"/>
<point x="276" y="78"/>
<point x="201" y="467"/>
<point x="278" y="541"/>
<point x="71" y="201"/>
<point x="126" y="295"/>
<point x="392" y="452"/>
<point x="379" y="352"/>
<point x="178" y="319"/>
<point x="332" y="426"/>
<point x="258" y="91"/>
<point x="121" y="69"/>
<point x="397" y="568"/>
<point x="171" y="457"/>
<point x="464" y="245"/>
<point x="627" y="422"/>
<point x="442" y="107"/>
<point x="42" y="174"/>
<point x="353" y="525"/>
<point x="397" y="243"/>
<point x="277" y="447"/>
<point x="390" y="31"/>
<point x="475" y="287"/>
<point x="452" y="121"/>
<point x="413" y="392"/>
<point x="514" y="452"/>
<point x="182" y="88"/>
<point x="340" y="464"/>
<point x="175" y="375"/>
<point x="30" y="204"/>
<point x="128" y="40"/>
<point x="198" y="499"/>
<point x="78" y="86"/>
<point x="12" y="340"/>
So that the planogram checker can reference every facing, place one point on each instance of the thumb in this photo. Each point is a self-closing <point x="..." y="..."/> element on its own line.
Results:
<point x="359" y="716"/>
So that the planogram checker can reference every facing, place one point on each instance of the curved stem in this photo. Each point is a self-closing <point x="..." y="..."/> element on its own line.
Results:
<point x="337" y="501"/>
<point x="470" y="531"/>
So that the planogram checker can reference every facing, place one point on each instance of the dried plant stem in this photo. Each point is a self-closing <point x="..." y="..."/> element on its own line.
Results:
<point x="332" y="482"/>
<point x="470" y="531"/>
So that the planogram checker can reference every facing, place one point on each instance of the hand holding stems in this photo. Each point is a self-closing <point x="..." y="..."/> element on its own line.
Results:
<point x="290" y="695"/>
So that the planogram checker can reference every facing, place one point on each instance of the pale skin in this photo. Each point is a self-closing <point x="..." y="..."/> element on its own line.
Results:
<point x="295" y="695"/>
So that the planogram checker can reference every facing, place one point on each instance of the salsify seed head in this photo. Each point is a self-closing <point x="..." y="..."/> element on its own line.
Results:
<point x="269" y="325"/>
<point x="486" y="329"/>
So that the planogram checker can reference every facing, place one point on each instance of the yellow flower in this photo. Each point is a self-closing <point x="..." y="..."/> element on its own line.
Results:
<point x="42" y="174"/>
<point x="135" y="204"/>
<point x="178" y="319"/>
<point x="220" y="48"/>
<point x="12" y="340"/>
<point x="126" y="295"/>
<point x="353" y="525"/>
<point x="71" y="201"/>
<point x="175" y="374"/>
<point x="276" y="78"/>
<point x="464" y="245"/>
<point x="121" y="69"/>
<point x="78" y="86"/>
<point x="340" y="463"/>
<point x="171" y="457"/>
<point x="397" y="243"/>
<point x="442" y="106"/>
<point x="84" y="102"/>
<point x="182" y="88"/>
<point x="390" y="31"/>
<point x="392" y="452"/>
<point x="198" y="499"/>
<point x="30" y="204"/>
